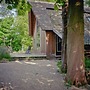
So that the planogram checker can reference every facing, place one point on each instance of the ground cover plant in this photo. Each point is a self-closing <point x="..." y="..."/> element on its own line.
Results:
<point x="4" y="54"/>
<point x="87" y="67"/>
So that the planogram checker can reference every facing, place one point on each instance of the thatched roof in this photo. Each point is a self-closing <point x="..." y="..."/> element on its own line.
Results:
<point x="49" y="19"/>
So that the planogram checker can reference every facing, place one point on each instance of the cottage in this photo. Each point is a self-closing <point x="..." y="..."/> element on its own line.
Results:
<point x="45" y="26"/>
<point x="87" y="31"/>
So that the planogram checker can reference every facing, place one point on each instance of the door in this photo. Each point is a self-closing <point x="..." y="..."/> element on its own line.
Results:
<point x="58" y="45"/>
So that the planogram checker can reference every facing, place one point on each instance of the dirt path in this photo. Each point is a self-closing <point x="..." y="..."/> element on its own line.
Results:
<point x="31" y="75"/>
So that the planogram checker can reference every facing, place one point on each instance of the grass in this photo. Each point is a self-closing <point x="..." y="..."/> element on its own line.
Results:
<point x="87" y="69"/>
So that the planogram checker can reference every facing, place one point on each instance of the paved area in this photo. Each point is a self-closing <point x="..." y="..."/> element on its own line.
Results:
<point x="31" y="75"/>
<point x="32" y="55"/>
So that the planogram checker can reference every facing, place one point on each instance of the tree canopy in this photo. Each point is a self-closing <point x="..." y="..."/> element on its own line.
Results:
<point x="87" y="2"/>
<point x="8" y="35"/>
<point x="21" y="5"/>
<point x="14" y="28"/>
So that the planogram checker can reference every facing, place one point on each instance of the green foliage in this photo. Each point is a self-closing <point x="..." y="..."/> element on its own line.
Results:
<point x="87" y="63"/>
<point x="59" y="64"/>
<point x="60" y="68"/>
<point x="59" y="3"/>
<point x="87" y="67"/>
<point x="46" y="0"/>
<point x="69" y="83"/>
<point x="14" y="32"/>
<point x="87" y="2"/>
<point x="4" y="54"/>
<point x="16" y="42"/>
<point x="21" y="26"/>
<point x="22" y="6"/>
<point x="8" y="35"/>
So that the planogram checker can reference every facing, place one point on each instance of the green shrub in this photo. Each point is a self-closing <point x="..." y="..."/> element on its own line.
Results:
<point x="4" y="53"/>
<point x="61" y="68"/>
<point x="87" y="63"/>
<point x="59" y="64"/>
<point x="87" y="67"/>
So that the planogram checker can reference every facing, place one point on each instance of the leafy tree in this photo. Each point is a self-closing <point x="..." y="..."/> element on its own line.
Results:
<point x="21" y="5"/>
<point x="4" y="11"/>
<point x="19" y="32"/>
<point x="14" y="32"/>
<point x="87" y="2"/>
<point x="5" y="25"/>
<point x="45" y="0"/>
<point x="21" y="26"/>
<point x="8" y="36"/>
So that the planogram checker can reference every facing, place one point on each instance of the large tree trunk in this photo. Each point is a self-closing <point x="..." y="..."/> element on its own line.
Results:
<point x="64" y="38"/>
<point x="75" y="43"/>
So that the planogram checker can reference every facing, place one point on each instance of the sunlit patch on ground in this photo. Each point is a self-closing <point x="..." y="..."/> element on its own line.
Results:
<point x="6" y="86"/>
<point x="26" y="80"/>
<point x="40" y="81"/>
<point x="49" y="65"/>
<point x="30" y="63"/>
<point x="47" y="79"/>
<point x="18" y="62"/>
<point x="52" y="73"/>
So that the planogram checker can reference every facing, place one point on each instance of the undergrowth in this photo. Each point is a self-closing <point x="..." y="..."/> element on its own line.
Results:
<point x="4" y="54"/>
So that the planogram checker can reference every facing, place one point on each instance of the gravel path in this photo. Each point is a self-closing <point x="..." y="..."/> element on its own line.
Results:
<point x="30" y="75"/>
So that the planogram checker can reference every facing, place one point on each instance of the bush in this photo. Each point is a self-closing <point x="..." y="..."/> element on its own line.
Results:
<point x="59" y="64"/>
<point x="4" y="53"/>
<point x="87" y="67"/>
<point x="87" y="63"/>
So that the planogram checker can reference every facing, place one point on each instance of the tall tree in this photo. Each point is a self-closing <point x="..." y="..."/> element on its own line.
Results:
<point x="75" y="43"/>
<point x="64" y="38"/>
<point x="8" y="35"/>
<point x="21" y="26"/>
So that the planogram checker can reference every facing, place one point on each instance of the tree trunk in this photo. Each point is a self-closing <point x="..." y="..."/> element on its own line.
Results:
<point x="64" y="39"/>
<point x="75" y="44"/>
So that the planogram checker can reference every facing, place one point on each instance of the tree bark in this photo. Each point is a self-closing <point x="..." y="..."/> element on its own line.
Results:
<point x="75" y="44"/>
<point x="64" y="38"/>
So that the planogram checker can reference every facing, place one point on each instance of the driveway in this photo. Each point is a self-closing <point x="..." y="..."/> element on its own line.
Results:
<point x="31" y="75"/>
